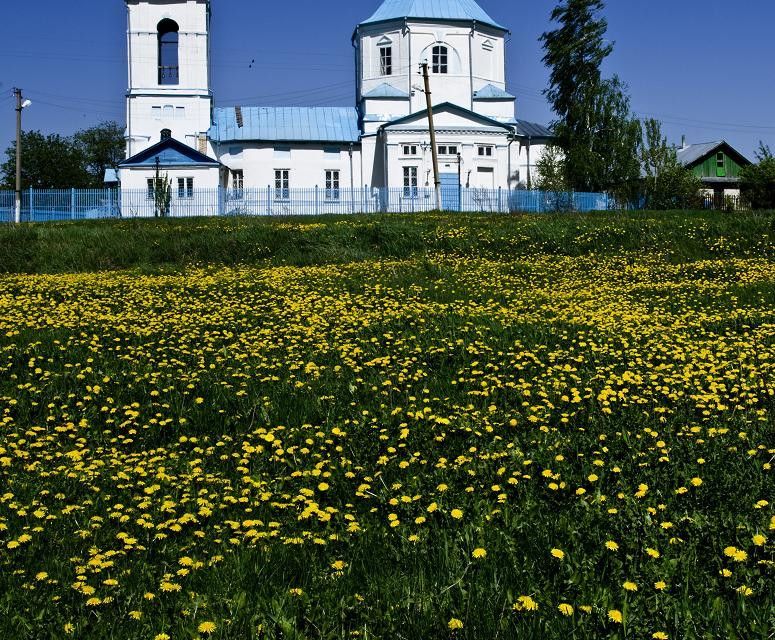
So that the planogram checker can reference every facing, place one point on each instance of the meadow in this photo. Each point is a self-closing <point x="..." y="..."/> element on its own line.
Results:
<point x="435" y="427"/>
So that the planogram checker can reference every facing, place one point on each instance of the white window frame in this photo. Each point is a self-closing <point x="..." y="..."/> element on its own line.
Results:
<point x="440" y="59"/>
<point x="485" y="151"/>
<point x="332" y="182"/>
<point x="447" y="150"/>
<point x="410" y="181"/>
<point x="185" y="188"/>
<point x="238" y="183"/>
<point x="282" y="184"/>
<point x="409" y="149"/>
<point x="386" y="59"/>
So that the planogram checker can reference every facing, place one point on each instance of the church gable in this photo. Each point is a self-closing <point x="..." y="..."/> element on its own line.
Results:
<point x="447" y="116"/>
<point x="169" y="153"/>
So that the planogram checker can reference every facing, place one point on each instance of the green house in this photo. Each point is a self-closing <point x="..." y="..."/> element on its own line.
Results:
<point x="718" y="164"/>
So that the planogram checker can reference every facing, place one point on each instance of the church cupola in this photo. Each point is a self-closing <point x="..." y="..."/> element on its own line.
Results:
<point x="462" y="44"/>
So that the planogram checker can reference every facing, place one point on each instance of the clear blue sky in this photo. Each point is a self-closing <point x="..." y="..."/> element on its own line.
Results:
<point x="705" y="67"/>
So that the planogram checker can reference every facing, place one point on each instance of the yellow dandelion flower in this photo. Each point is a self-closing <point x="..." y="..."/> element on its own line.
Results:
<point x="660" y="585"/>
<point x="659" y="635"/>
<point x="457" y="514"/>
<point x="479" y="553"/>
<point x="206" y="627"/>
<point x="611" y="546"/>
<point x="630" y="586"/>
<point x="614" y="615"/>
<point x="759" y="540"/>
<point x="565" y="609"/>
<point x="558" y="553"/>
<point x="454" y="624"/>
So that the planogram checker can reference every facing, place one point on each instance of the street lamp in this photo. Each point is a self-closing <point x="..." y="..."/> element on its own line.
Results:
<point x="20" y="106"/>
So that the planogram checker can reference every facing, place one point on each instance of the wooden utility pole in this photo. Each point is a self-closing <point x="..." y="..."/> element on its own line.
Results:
<point x="18" y="200"/>
<point x="434" y="149"/>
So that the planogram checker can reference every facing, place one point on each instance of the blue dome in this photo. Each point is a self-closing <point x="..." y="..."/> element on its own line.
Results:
<point x="454" y="10"/>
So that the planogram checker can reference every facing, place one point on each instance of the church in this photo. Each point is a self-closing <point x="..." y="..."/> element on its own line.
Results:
<point x="372" y="156"/>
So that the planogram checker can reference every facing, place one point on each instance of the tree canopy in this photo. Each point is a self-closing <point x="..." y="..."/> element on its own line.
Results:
<point x="59" y="162"/>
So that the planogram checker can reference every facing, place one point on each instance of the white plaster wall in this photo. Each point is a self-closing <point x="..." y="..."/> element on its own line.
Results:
<point x="144" y="91"/>
<point x="134" y="189"/>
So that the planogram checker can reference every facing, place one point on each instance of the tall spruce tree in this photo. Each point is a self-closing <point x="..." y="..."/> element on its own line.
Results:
<point x="594" y="126"/>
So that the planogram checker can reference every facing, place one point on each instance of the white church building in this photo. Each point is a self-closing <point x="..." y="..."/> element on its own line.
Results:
<point x="373" y="156"/>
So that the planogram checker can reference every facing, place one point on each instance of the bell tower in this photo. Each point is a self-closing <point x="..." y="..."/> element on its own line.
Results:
<point x="168" y="50"/>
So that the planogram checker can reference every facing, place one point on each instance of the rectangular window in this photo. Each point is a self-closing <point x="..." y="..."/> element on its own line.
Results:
<point x="282" y="184"/>
<point x="720" y="159"/>
<point x="410" y="149"/>
<point x="180" y="113"/>
<point x="386" y="61"/>
<point x="410" y="182"/>
<point x="185" y="188"/>
<point x="156" y="113"/>
<point x="238" y="183"/>
<point x="447" y="150"/>
<point x="332" y="185"/>
<point x="485" y="152"/>
<point x="440" y="60"/>
<point x="151" y="189"/>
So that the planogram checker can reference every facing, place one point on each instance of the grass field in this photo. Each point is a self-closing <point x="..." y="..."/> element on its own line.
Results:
<point x="431" y="427"/>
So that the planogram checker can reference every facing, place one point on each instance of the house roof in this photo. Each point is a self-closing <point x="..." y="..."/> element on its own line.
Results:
<point x="386" y="91"/>
<point x="437" y="10"/>
<point x="170" y="153"/>
<point x="533" y="130"/>
<point x="692" y="154"/>
<point x="491" y="92"/>
<point x="285" y="124"/>
<point x="453" y="108"/>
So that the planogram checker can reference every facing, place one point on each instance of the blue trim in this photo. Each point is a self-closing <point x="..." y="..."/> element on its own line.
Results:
<point x="170" y="153"/>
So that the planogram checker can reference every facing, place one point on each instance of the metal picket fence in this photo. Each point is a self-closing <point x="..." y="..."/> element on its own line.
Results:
<point x="42" y="205"/>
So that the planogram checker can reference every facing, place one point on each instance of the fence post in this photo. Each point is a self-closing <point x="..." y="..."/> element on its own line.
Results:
<point x="500" y="199"/>
<point x="110" y="203"/>
<point x="269" y="200"/>
<point x="72" y="204"/>
<point x="31" y="207"/>
<point x="317" y="200"/>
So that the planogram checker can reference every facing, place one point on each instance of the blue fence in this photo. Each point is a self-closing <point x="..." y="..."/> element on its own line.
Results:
<point x="95" y="204"/>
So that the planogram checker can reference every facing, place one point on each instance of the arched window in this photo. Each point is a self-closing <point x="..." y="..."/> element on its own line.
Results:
<point x="168" y="52"/>
<point x="440" y="61"/>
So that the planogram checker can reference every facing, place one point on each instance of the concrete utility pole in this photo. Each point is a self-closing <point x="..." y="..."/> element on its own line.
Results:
<point x="18" y="203"/>
<point x="434" y="149"/>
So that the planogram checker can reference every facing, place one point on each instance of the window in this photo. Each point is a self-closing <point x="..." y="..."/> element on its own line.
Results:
<point x="446" y="150"/>
<point x="185" y="187"/>
<point x="440" y="60"/>
<point x="180" y="113"/>
<point x="151" y="194"/>
<point x="410" y="149"/>
<point x="485" y="152"/>
<point x="282" y="182"/>
<point x="168" y="52"/>
<point x="386" y="61"/>
<point x="156" y="113"/>
<point x="168" y="112"/>
<point x="238" y="183"/>
<point x="332" y="185"/>
<point x="410" y="182"/>
<point x="720" y="159"/>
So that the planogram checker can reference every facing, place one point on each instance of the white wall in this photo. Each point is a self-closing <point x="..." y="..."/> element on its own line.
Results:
<point x="193" y="91"/>
<point x="134" y="188"/>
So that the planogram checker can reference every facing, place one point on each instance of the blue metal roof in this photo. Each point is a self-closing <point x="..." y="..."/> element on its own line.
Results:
<point x="456" y="10"/>
<point x="386" y="91"/>
<point x="170" y="153"/>
<point x="286" y="124"/>
<point x="491" y="92"/>
<point x="533" y="130"/>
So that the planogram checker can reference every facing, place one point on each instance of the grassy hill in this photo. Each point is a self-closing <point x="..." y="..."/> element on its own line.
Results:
<point x="439" y="427"/>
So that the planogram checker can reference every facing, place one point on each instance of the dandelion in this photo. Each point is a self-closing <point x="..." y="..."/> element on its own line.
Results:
<point x="611" y="546"/>
<point x="525" y="603"/>
<point x="759" y="540"/>
<point x="479" y="553"/>
<point x="630" y="586"/>
<point x="457" y="514"/>
<point x="615" y="616"/>
<point x="206" y="627"/>
<point x="295" y="591"/>
<point x="660" y="585"/>
<point x="565" y="609"/>
<point x="558" y="553"/>
<point x="161" y="636"/>
<point x="454" y="624"/>
<point x="659" y="635"/>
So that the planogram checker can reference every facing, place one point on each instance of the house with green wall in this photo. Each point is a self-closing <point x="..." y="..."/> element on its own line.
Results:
<point x="717" y="164"/>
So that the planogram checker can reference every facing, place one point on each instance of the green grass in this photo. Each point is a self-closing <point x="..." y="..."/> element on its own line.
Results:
<point x="271" y="424"/>
<point x="149" y="244"/>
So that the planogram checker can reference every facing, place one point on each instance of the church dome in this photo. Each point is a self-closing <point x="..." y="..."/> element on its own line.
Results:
<point x="437" y="10"/>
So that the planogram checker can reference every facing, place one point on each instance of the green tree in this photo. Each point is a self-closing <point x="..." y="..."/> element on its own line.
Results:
<point x="102" y="147"/>
<point x="757" y="181"/>
<point x="666" y="183"/>
<point x="594" y="125"/>
<point x="550" y="170"/>
<point x="48" y="162"/>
